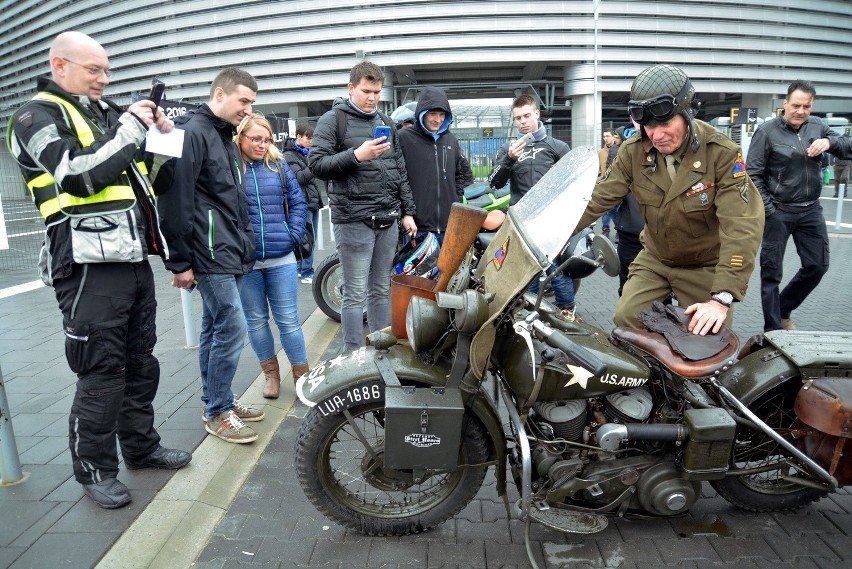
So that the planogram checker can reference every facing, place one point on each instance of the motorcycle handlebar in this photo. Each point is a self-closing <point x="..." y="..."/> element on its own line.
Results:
<point x="556" y="339"/>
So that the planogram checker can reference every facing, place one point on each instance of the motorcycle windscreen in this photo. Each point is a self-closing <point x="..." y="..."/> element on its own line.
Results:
<point x="547" y="214"/>
<point x="521" y="249"/>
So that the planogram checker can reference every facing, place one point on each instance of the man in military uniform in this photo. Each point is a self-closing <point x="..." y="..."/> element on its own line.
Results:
<point x="703" y="216"/>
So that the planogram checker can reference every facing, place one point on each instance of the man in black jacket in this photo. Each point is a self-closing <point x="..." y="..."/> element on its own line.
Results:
<point x="524" y="163"/>
<point x="369" y="192"/>
<point x="296" y="155"/>
<point x="80" y="156"/>
<point x="437" y="170"/>
<point x="784" y="164"/>
<point x="211" y="242"/>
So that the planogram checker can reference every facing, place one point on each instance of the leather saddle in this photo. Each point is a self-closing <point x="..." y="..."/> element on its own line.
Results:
<point x="669" y="340"/>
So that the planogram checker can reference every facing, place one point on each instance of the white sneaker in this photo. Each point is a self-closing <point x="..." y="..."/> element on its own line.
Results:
<point x="307" y="280"/>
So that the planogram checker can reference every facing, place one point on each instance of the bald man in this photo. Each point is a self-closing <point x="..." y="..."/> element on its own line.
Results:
<point x="80" y="155"/>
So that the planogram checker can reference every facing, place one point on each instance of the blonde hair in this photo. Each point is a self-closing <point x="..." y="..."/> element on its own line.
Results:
<point x="272" y="153"/>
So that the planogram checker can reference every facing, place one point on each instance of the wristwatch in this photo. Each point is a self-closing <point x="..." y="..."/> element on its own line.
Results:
<point x="723" y="297"/>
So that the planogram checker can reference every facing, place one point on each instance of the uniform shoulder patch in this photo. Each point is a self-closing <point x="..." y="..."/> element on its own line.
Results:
<point x="739" y="166"/>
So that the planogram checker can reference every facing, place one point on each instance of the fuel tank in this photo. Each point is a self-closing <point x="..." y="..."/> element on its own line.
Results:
<point x="564" y="379"/>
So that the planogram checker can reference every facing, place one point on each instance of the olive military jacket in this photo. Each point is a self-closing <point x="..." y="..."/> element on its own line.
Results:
<point x="710" y="214"/>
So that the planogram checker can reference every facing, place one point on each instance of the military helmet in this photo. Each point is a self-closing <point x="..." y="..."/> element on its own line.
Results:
<point x="659" y="93"/>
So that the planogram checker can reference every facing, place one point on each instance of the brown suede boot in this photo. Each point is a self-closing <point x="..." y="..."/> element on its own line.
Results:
<point x="299" y="370"/>
<point x="273" y="378"/>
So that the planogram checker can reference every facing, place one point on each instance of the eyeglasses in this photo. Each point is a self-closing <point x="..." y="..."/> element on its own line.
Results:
<point x="92" y="70"/>
<point x="259" y="140"/>
<point x="657" y="109"/>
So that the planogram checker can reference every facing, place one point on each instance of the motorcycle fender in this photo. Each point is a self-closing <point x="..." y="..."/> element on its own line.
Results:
<point x="758" y="373"/>
<point x="354" y="378"/>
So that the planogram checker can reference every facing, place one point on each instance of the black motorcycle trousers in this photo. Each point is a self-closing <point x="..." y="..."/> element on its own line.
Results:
<point x="811" y="239"/>
<point x="109" y="320"/>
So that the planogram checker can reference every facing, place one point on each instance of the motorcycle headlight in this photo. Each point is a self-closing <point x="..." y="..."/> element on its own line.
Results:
<point x="425" y="323"/>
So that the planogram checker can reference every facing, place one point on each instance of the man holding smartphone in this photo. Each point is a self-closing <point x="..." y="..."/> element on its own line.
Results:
<point x="80" y="156"/>
<point x="368" y="194"/>
<point x="523" y="162"/>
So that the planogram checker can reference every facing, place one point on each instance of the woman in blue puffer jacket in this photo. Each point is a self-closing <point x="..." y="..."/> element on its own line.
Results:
<point x="273" y="283"/>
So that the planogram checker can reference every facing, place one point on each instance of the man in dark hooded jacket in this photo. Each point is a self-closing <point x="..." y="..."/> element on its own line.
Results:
<point x="437" y="170"/>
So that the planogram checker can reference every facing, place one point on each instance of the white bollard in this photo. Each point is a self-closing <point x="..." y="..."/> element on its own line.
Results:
<point x="10" y="462"/>
<point x="188" y="319"/>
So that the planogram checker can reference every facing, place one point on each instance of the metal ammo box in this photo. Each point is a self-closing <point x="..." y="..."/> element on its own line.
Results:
<point x="422" y="427"/>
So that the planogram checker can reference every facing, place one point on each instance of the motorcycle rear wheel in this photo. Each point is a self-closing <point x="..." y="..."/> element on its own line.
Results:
<point x="345" y="483"/>
<point x="767" y="491"/>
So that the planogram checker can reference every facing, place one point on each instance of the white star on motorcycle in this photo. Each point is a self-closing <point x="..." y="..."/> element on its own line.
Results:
<point x="337" y="361"/>
<point x="581" y="376"/>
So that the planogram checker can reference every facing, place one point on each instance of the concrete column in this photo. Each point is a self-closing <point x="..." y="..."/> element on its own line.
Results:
<point x="585" y="121"/>
<point x="762" y="102"/>
<point x="296" y="110"/>
<point x="581" y="87"/>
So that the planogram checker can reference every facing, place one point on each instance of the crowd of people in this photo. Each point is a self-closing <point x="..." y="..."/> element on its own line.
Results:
<point x="228" y="215"/>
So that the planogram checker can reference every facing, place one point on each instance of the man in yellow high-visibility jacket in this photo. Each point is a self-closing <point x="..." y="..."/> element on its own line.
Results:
<point x="80" y="157"/>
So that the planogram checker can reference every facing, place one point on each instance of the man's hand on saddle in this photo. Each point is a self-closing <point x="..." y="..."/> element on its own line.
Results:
<point x="706" y="317"/>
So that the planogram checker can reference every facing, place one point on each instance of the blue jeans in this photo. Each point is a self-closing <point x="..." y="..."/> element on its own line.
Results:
<point x="366" y="256"/>
<point x="563" y="289"/>
<point x="608" y="217"/>
<point x="223" y="330"/>
<point x="276" y="288"/>
<point x="306" y="266"/>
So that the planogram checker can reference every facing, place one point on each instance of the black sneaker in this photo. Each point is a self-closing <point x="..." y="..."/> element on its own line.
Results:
<point x="165" y="458"/>
<point x="109" y="494"/>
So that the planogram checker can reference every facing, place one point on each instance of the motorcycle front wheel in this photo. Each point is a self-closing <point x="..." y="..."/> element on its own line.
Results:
<point x="351" y="485"/>
<point x="775" y="489"/>
<point x="327" y="288"/>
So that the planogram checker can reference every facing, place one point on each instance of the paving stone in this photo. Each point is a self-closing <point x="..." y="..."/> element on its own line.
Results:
<point x="804" y="521"/>
<point x="220" y="547"/>
<point x="468" y="532"/>
<point x="802" y="546"/>
<point x="326" y="551"/>
<point x="841" y="545"/>
<point x="582" y="551"/>
<point x="390" y="551"/>
<point x="274" y="549"/>
<point x="468" y="554"/>
<point x="616" y="553"/>
<point x="674" y="550"/>
<point x="18" y="516"/>
<point x="843" y="522"/>
<point x="56" y="550"/>
<point x="733" y="549"/>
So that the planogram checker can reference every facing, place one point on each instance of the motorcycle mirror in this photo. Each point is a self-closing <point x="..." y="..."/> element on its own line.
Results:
<point x="606" y="255"/>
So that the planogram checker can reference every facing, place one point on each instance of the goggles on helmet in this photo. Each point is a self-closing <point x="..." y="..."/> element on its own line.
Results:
<point x="657" y="109"/>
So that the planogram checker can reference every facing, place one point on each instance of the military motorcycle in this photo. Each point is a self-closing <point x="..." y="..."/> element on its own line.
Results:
<point x="327" y="287"/>
<point x="587" y="424"/>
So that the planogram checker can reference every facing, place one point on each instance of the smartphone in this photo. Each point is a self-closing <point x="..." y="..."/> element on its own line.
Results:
<point x="157" y="90"/>
<point x="381" y="131"/>
<point x="528" y="138"/>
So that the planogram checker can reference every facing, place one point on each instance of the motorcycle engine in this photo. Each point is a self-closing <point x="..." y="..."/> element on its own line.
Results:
<point x="660" y="488"/>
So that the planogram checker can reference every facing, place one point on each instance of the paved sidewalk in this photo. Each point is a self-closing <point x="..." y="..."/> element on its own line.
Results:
<point x="236" y="505"/>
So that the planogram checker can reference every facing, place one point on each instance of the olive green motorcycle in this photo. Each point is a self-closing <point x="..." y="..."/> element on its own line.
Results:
<point x="587" y="424"/>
